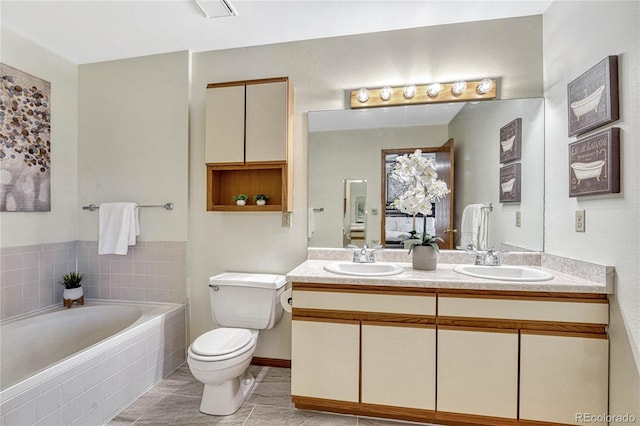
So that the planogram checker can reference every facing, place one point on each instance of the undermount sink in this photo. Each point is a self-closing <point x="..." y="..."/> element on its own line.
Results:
<point x="363" y="269"/>
<point x="505" y="272"/>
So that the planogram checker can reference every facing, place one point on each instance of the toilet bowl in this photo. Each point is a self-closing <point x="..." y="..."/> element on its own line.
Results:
<point x="242" y="304"/>
<point x="219" y="359"/>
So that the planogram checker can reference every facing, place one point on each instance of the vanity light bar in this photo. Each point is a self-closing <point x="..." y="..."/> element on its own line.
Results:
<point x="460" y="90"/>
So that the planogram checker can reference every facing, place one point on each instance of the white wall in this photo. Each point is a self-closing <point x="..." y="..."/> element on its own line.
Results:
<point x="59" y="224"/>
<point x="359" y="158"/>
<point x="474" y="129"/>
<point x="577" y="35"/>
<point x="321" y="71"/>
<point x="133" y="141"/>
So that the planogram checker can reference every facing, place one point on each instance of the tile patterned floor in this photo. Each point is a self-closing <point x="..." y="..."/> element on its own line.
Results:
<point x="176" y="401"/>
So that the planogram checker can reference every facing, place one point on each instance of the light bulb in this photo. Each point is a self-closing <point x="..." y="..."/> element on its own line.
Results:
<point x="433" y="89"/>
<point x="363" y="95"/>
<point x="409" y="91"/>
<point x="458" y="87"/>
<point x="385" y="93"/>
<point x="485" y="86"/>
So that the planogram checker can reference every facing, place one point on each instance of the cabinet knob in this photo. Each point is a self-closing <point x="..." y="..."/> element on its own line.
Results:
<point x="448" y="230"/>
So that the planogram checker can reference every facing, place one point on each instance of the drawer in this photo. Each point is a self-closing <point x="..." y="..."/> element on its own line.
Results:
<point x="365" y="302"/>
<point x="594" y="311"/>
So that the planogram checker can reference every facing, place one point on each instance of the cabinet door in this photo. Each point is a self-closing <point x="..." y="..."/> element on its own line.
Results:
<point x="562" y="377"/>
<point x="224" y="133"/>
<point x="478" y="371"/>
<point x="325" y="359"/>
<point x="266" y="127"/>
<point x="399" y="366"/>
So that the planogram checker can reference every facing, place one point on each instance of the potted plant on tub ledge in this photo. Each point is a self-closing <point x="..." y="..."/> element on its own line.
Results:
<point x="423" y="188"/>
<point x="73" y="292"/>
<point x="260" y="199"/>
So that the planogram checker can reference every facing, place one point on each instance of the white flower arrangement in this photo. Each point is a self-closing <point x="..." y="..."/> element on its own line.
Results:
<point x="424" y="187"/>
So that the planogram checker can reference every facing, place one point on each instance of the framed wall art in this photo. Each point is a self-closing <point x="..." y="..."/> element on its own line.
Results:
<point x="510" y="182"/>
<point x="594" y="164"/>
<point x="25" y="146"/>
<point x="593" y="97"/>
<point x="511" y="141"/>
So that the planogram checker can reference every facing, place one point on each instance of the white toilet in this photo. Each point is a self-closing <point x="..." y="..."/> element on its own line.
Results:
<point x="242" y="304"/>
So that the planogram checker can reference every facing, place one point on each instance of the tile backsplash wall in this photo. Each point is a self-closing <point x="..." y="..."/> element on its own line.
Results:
<point x="30" y="276"/>
<point x="152" y="271"/>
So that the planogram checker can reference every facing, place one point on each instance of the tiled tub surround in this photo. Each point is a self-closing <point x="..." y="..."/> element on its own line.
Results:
<point x="30" y="275"/>
<point x="93" y="385"/>
<point x="570" y="275"/>
<point x="152" y="271"/>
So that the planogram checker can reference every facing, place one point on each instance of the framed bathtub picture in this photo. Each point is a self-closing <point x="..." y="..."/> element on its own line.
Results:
<point x="592" y="98"/>
<point x="511" y="141"/>
<point x="510" y="183"/>
<point x="594" y="164"/>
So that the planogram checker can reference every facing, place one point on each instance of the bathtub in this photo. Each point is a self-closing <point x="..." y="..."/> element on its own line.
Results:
<point x="85" y="364"/>
<point x="587" y="104"/>
<point x="507" y="145"/>
<point x="508" y="185"/>
<point x="587" y="170"/>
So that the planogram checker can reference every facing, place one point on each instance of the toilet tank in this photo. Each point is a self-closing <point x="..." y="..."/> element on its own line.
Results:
<point x="245" y="300"/>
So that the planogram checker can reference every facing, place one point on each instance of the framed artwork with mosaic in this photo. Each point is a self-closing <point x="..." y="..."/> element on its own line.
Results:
<point x="25" y="142"/>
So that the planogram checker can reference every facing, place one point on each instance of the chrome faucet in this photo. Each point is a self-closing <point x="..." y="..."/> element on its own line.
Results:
<point x="488" y="258"/>
<point x="364" y="254"/>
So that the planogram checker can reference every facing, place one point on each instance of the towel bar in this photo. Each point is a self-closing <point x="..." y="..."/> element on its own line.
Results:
<point x="167" y="206"/>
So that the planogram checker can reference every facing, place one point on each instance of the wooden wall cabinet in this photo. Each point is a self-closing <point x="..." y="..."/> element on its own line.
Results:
<point x="248" y="148"/>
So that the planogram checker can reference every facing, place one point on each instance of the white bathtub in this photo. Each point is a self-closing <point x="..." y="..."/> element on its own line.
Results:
<point x="83" y="365"/>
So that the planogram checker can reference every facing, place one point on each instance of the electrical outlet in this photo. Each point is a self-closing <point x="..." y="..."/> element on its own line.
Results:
<point x="580" y="218"/>
<point x="518" y="219"/>
<point x="286" y="219"/>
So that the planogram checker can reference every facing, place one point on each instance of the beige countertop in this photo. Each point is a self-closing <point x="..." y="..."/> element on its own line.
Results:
<point x="312" y="271"/>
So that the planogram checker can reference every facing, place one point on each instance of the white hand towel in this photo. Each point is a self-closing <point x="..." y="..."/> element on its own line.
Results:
<point x="118" y="227"/>
<point x="483" y="231"/>
<point x="470" y="225"/>
<point x="310" y="223"/>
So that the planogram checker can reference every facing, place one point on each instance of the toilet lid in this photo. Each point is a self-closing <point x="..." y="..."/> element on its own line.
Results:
<point x="221" y="341"/>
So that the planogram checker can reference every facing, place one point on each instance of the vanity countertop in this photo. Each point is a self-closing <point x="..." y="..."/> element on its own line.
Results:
<point x="312" y="271"/>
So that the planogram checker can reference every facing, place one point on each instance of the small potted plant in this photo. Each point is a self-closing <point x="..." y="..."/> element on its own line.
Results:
<point x="260" y="199"/>
<point x="240" y="199"/>
<point x="73" y="292"/>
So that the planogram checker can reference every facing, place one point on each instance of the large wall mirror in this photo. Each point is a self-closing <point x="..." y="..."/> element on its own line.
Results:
<point x="347" y="145"/>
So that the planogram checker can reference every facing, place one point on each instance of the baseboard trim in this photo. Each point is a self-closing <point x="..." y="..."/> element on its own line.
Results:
<point x="271" y="362"/>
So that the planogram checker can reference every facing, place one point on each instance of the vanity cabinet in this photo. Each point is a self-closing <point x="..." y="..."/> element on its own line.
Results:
<point x="455" y="356"/>
<point x="364" y="350"/>
<point x="478" y="371"/>
<point x="248" y="143"/>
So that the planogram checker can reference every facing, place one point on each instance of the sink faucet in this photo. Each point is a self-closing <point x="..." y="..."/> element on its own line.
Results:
<point x="364" y="254"/>
<point x="488" y="258"/>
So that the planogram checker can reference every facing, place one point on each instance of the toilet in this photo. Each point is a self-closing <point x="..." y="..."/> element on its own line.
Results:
<point x="241" y="304"/>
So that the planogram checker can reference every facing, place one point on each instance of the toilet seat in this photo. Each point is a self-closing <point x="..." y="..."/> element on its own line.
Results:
<point x="222" y="343"/>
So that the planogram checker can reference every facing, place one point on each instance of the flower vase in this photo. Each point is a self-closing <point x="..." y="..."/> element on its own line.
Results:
<point x="425" y="258"/>
<point x="261" y="202"/>
<point x="241" y="202"/>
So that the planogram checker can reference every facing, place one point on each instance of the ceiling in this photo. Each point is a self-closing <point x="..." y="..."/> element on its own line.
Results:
<point x="85" y="31"/>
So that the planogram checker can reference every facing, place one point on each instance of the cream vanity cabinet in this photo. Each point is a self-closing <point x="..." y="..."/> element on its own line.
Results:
<point x="481" y="357"/>
<point x="248" y="139"/>
<point x="524" y="358"/>
<point x="364" y="349"/>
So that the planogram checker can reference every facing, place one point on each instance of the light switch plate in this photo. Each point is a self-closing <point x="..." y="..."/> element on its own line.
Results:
<point x="286" y="219"/>
<point x="518" y="219"/>
<point x="580" y="220"/>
